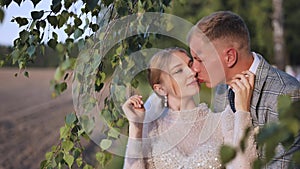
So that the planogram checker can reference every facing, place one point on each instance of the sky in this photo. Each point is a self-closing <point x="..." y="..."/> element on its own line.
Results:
<point x="10" y="30"/>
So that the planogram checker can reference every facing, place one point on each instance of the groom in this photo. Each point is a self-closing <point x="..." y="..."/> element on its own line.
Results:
<point x="220" y="46"/>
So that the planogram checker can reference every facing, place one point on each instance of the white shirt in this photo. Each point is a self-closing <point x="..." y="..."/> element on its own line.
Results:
<point x="255" y="63"/>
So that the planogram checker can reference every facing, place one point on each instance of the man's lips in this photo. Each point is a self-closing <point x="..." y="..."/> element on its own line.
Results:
<point x="201" y="81"/>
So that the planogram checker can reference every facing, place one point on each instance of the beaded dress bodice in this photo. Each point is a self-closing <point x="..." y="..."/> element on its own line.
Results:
<point x="191" y="139"/>
<point x="182" y="144"/>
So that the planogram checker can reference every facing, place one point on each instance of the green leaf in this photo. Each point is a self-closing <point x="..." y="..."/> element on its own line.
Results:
<point x="26" y="74"/>
<point x="91" y="4"/>
<point x="59" y="157"/>
<point x="77" y="33"/>
<point x="59" y="73"/>
<point x="41" y="24"/>
<point x="48" y="155"/>
<point x="87" y="124"/>
<point x="67" y="3"/>
<point x="87" y="166"/>
<point x="2" y="63"/>
<point x="105" y="144"/>
<point x="70" y="119"/>
<point x="21" y="21"/>
<point x="64" y="132"/>
<point x="52" y="43"/>
<point x="107" y="2"/>
<point x="94" y="27"/>
<point x="69" y="30"/>
<point x="5" y="2"/>
<point x="59" y="88"/>
<point x="227" y="154"/>
<point x="24" y="35"/>
<point x="79" y="161"/>
<point x="1" y="15"/>
<point x="56" y="6"/>
<point x="60" y="48"/>
<point x="37" y="14"/>
<point x="52" y="20"/>
<point x="43" y="164"/>
<point x="103" y="158"/>
<point x="69" y="159"/>
<point x="120" y="123"/>
<point x="284" y="102"/>
<point x="114" y="133"/>
<point x="134" y="83"/>
<point x="31" y="50"/>
<point x="18" y="2"/>
<point x="62" y="19"/>
<point x="77" y="22"/>
<point x="35" y="2"/>
<point x="67" y="145"/>
<point x="80" y="44"/>
<point x="54" y="35"/>
<point x="296" y="158"/>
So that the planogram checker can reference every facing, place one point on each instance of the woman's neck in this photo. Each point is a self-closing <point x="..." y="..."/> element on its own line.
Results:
<point x="177" y="104"/>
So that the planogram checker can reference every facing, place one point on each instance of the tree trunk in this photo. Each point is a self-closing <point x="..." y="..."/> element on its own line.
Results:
<point x="278" y="37"/>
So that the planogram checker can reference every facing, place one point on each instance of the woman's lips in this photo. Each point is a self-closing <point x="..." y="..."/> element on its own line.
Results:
<point x="194" y="82"/>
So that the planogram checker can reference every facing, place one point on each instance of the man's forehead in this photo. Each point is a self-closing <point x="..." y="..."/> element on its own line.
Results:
<point x="197" y="44"/>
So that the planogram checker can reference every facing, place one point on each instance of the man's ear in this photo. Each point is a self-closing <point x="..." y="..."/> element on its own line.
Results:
<point x="159" y="89"/>
<point x="231" y="57"/>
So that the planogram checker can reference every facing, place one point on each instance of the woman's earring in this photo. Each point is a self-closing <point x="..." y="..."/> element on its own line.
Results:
<point x="165" y="101"/>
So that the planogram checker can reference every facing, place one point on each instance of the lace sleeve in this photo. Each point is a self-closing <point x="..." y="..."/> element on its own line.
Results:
<point x="240" y="122"/>
<point x="134" y="157"/>
<point x="138" y="150"/>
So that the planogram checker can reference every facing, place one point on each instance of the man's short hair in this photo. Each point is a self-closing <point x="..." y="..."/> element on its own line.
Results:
<point x="223" y="24"/>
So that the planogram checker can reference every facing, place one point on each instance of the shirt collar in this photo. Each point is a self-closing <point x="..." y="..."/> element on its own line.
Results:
<point x="255" y="63"/>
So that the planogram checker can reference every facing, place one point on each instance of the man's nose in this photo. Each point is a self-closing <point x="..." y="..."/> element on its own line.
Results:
<point x="196" y="66"/>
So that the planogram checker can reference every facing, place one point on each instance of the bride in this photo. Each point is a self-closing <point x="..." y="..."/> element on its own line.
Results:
<point x="178" y="133"/>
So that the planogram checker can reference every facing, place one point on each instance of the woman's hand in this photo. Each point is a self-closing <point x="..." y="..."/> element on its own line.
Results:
<point x="243" y="85"/>
<point x="135" y="113"/>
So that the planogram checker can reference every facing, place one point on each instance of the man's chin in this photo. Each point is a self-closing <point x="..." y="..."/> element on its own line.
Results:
<point x="210" y="85"/>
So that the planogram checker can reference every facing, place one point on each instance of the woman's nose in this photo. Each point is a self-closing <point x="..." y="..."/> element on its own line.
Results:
<point x="191" y="72"/>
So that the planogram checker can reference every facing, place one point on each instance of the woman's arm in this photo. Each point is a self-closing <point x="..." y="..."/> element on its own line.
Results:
<point x="243" y="85"/>
<point x="135" y="113"/>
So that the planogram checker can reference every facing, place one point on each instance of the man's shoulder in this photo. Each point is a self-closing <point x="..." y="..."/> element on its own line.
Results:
<point x="284" y="78"/>
<point x="274" y="75"/>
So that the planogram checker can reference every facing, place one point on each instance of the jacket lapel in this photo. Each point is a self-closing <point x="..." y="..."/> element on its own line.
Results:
<point x="260" y="79"/>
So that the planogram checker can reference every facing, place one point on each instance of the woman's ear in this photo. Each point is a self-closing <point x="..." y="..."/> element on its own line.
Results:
<point x="159" y="89"/>
<point x="231" y="57"/>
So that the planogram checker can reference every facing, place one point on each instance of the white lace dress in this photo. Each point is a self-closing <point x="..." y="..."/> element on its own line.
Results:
<point x="191" y="139"/>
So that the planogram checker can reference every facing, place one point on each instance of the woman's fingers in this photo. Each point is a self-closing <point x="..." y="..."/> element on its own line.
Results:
<point x="250" y="76"/>
<point x="134" y="109"/>
<point x="243" y="85"/>
<point x="238" y="85"/>
<point x="136" y="101"/>
<point x="246" y="77"/>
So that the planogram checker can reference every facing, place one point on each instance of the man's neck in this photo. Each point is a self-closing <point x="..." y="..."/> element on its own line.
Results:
<point x="243" y="64"/>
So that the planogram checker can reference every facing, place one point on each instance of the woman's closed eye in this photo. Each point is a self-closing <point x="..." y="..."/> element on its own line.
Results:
<point x="178" y="71"/>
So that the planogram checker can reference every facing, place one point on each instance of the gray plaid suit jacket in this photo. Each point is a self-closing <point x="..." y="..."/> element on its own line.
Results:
<point x="269" y="84"/>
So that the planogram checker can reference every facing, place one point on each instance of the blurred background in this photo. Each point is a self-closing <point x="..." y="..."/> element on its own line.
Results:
<point x="31" y="118"/>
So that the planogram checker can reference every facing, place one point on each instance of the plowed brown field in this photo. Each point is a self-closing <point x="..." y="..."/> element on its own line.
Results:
<point x="29" y="118"/>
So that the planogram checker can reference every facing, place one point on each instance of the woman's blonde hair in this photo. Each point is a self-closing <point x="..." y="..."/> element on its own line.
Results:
<point x="158" y="66"/>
